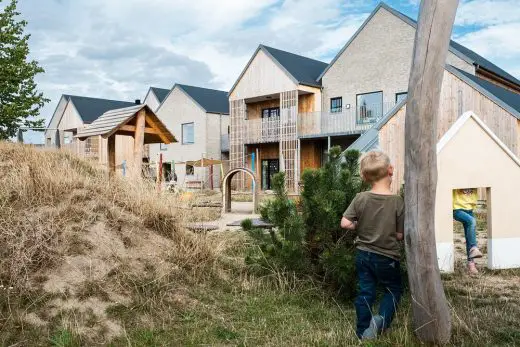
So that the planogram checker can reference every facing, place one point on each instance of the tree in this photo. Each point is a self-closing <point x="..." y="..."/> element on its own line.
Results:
<point x="20" y="101"/>
<point x="432" y="318"/>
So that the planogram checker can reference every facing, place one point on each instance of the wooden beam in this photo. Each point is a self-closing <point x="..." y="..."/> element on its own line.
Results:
<point x="139" y="143"/>
<point x="154" y="125"/>
<point x="132" y="128"/>
<point x="431" y="314"/>
<point x="111" y="155"/>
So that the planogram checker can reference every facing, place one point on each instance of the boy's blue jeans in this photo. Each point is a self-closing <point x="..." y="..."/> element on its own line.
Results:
<point x="470" y="226"/>
<point x="373" y="268"/>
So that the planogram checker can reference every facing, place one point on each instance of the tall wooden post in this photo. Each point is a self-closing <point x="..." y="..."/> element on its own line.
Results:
<point x="111" y="144"/>
<point x="431" y="313"/>
<point x="139" y="143"/>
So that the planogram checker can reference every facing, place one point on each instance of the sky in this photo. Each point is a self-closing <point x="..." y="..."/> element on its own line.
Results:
<point x="117" y="49"/>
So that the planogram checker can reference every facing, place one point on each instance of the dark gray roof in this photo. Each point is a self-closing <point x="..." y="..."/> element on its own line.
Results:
<point x="211" y="100"/>
<point x="90" y="109"/>
<point x="463" y="52"/>
<point x="505" y="98"/>
<point x="483" y="62"/>
<point x="160" y="93"/>
<point x="304" y="70"/>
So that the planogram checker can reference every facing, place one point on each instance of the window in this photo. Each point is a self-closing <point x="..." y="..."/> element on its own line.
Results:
<point x="336" y="104"/>
<point x="269" y="168"/>
<point x="188" y="135"/>
<point x="228" y="129"/>
<point x="400" y="96"/>
<point x="163" y="147"/>
<point x="190" y="170"/>
<point x="270" y="112"/>
<point x="369" y="107"/>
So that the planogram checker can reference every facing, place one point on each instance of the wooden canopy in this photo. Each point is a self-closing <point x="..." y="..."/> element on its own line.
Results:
<point x="203" y="162"/>
<point x="123" y="121"/>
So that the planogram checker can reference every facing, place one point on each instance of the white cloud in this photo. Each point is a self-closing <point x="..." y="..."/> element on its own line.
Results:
<point x="488" y="12"/>
<point x="500" y="41"/>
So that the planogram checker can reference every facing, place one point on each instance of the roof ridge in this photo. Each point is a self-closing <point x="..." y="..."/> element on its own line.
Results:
<point x="299" y="55"/>
<point x="94" y="98"/>
<point x="192" y="86"/>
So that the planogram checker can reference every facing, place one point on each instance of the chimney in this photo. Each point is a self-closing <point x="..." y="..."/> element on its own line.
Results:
<point x="137" y="102"/>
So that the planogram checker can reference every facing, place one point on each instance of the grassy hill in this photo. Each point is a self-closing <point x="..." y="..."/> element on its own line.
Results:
<point x="89" y="261"/>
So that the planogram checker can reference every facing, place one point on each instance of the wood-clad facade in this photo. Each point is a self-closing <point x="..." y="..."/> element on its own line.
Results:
<point x="457" y="97"/>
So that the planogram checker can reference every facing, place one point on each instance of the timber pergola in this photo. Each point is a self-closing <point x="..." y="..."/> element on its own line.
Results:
<point x="138" y="121"/>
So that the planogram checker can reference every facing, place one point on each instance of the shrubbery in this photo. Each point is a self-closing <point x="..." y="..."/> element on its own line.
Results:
<point x="310" y="241"/>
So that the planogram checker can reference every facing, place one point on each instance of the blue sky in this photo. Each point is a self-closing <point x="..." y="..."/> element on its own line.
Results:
<point x="117" y="49"/>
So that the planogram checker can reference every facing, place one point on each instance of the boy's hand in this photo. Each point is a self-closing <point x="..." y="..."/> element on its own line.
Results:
<point x="400" y="236"/>
<point x="347" y="224"/>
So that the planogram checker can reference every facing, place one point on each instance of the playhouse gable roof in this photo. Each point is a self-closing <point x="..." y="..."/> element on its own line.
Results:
<point x="459" y="125"/>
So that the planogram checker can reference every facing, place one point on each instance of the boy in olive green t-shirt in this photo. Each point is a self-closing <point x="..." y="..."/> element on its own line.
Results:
<point x="378" y="218"/>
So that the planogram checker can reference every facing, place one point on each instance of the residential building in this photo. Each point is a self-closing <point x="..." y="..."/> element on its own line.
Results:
<point x="470" y="83"/>
<point x="75" y="113"/>
<point x="199" y="119"/>
<point x="265" y="103"/>
<point x="289" y="109"/>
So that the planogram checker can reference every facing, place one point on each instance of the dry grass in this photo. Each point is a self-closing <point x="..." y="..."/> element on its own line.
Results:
<point x="91" y="261"/>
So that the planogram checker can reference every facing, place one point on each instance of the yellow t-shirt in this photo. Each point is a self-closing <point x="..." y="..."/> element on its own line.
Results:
<point x="465" y="199"/>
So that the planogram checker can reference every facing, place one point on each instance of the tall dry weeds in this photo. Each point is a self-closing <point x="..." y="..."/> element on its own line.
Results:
<point x="48" y="196"/>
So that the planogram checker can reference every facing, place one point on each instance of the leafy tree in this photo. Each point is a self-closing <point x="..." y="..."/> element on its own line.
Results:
<point x="20" y="101"/>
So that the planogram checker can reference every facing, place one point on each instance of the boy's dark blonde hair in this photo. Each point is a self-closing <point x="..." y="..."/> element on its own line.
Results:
<point x="374" y="166"/>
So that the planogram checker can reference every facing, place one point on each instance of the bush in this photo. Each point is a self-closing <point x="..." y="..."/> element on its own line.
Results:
<point x="312" y="242"/>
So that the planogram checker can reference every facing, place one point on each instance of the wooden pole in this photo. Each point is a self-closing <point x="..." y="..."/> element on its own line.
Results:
<point x="159" y="172"/>
<point x="111" y="155"/>
<point x="139" y="143"/>
<point x="432" y="319"/>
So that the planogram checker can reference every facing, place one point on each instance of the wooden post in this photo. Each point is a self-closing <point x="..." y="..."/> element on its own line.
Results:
<point x="139" y="143"/>
<point x="111" y="155"/>
<point x="211" y="176"/>
<point x="159" y="172"/>
<point x="432" y="319"/>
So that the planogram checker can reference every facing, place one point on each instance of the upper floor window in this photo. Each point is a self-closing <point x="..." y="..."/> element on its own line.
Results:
<point x="190" y="170"/>
<point x="400" y="96"/>
<point x="270" y="112"/>
<point x="163" y="147"/>
<point x="369" y="107"/>
<point x="336" y="104"/>
<point x="188" y="133"/>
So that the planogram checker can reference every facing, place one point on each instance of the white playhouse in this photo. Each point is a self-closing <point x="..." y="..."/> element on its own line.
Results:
<point x="469" y="155"/>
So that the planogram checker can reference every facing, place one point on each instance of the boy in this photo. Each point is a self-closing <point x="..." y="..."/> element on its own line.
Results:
<point x="378" y="218"/>
<point x="464" y="202"/>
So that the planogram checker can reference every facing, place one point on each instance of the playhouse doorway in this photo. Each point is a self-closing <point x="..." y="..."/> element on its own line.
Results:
<point x="463" y="212"/>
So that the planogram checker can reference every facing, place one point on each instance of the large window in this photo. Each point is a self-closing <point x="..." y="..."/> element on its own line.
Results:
<point x="270" y="112"/>
<point x="369" y="107"/>
<point x="400" y="96"/>
<point x="336" y="104"/>
<point x="188" y="134"/>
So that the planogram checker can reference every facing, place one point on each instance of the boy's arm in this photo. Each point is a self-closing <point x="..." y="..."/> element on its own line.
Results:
<point x="350" y="216"/>
<point x="348" y="224"/>
<point x="400" y="222"/>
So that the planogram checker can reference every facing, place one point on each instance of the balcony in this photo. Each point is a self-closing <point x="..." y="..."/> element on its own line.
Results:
<point x="313" y="124"/>
<point x="262" y="130"/>
<point x="344" y="122"/>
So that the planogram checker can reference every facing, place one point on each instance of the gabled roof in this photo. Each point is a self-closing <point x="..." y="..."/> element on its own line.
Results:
<point x="160" y="93"/>
<point x="89" y="109"/>
<point x="459" y="50"/>
<point x="211" y="100"/>
<point x="300" y="69"/>
<point x="304" y="70"/>
<point x="111" y="122"/>
<point x="459" y="123"/>
<point x="506" y="99"/>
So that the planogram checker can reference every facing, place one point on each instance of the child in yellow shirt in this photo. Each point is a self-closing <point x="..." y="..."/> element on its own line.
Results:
<point x="464" y="202"/>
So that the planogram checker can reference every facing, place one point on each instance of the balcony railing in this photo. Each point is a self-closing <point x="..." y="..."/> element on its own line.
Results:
<point x="343" y="122"/>
<point x="262" y="130"/>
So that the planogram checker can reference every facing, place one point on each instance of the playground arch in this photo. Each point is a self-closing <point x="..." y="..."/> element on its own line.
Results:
<point x="226" y="185"/>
